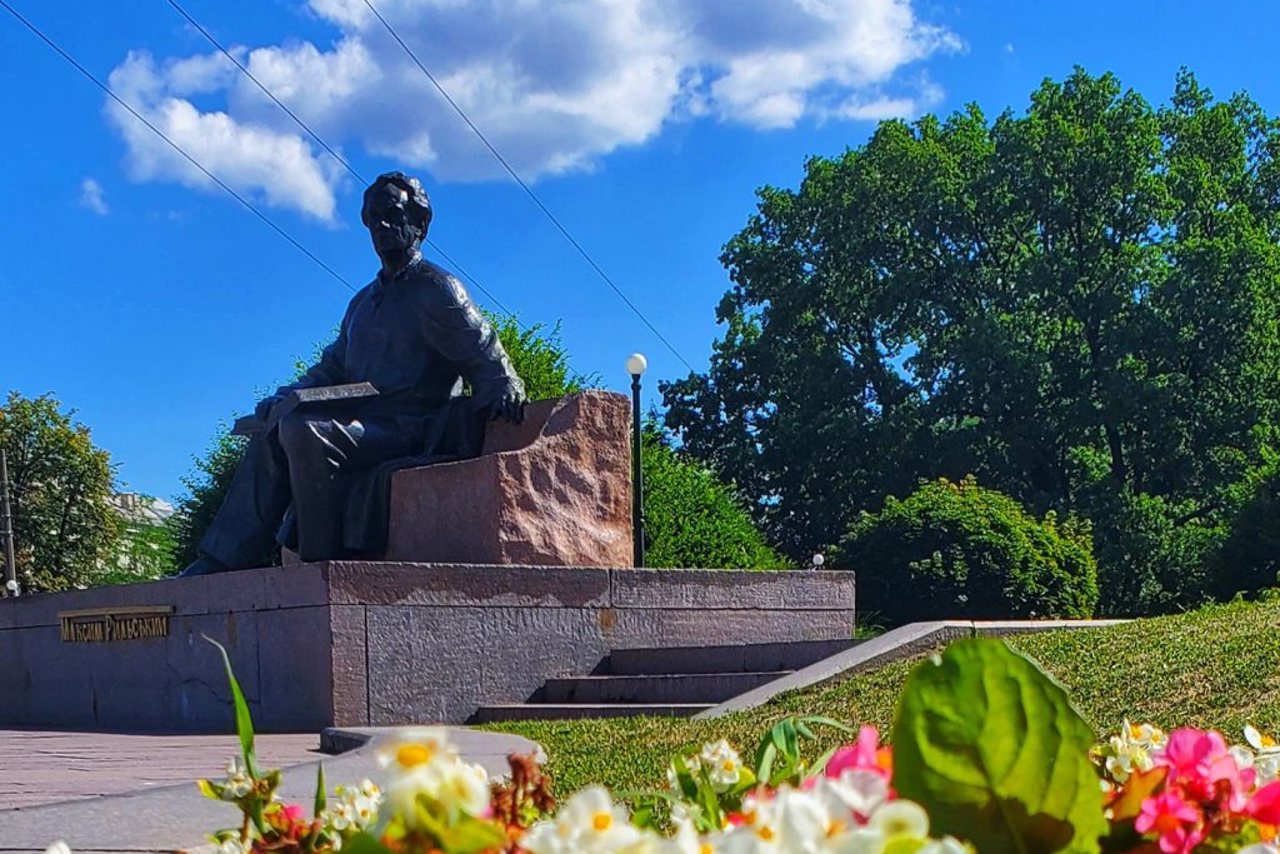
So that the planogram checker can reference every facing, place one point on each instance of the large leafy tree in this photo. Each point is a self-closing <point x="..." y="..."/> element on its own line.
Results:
<point x="60" y="488"/>
<point x="1077" y="304"/>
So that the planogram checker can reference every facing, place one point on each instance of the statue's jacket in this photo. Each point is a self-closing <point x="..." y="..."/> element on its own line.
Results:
<point x="421" y="341"/>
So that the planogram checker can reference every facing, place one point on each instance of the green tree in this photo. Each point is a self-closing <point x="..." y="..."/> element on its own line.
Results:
<point x="694" y="520"/>
<point x="60" y="495"/>
<point x="1246" y="558"/>
<point x="206" y="487"/>
<point x="957" y="550"/>
<point x="1076" y="304"/>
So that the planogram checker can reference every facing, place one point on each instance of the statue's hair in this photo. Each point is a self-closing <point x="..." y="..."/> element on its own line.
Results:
<point x="418" y="200"/>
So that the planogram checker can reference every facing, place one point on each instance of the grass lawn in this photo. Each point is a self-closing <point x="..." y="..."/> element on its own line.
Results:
<point x="1217" y="667"/>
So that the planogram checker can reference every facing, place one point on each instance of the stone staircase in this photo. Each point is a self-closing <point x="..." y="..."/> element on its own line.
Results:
<point x="671" y="682"/>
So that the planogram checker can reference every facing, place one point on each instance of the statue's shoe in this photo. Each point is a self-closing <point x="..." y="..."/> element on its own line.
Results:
<point x="203" y="566"/>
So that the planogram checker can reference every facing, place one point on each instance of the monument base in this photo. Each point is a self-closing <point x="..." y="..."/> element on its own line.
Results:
<point x="373" y="644"/>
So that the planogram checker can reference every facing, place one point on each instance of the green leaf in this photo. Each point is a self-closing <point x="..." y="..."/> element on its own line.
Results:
<point x="465" y="835"/>
<point x="363" y="843"/>
<point x="321" y="801"/>
<point x="828" y="722"/>
<point x="244" y="723"/>
<point x="764" y="761"/>
<point x="210" y="790"/>
<point x="992" y="748"/>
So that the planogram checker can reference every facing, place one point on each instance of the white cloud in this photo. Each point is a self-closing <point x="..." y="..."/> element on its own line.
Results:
<point x="555" y="86"/>
<point x="93" y="197"/>
<point x="280" y="166"/>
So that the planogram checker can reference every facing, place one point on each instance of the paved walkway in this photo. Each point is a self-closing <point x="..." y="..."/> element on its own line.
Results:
<point x="154" y="817"/>
<point x="47" y="767"/>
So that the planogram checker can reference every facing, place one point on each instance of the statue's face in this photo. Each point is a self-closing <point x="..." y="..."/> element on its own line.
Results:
<point x="390" y="222"/>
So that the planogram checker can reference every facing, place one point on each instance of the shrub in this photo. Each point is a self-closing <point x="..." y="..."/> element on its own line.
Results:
<point x="692" y="520"/>
<point x="959" y="550"/>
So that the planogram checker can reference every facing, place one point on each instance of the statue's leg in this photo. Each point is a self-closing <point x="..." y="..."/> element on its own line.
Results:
<point x="319" y="452"/>
<point x="322" y="455"/>
<point x="242" y="535"/>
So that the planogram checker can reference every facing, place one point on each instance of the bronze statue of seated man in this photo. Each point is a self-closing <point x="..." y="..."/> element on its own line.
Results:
<point x="415" y="336"/>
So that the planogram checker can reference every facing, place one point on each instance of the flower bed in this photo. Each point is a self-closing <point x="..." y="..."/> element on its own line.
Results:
<point x="987" y="755"/>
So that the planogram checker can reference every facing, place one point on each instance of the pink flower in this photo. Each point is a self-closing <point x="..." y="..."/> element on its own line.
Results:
<point x="292" y="813"/>
<point x="1203" y="770"/>
<point x="1176" y="822"/>
<point x="1190" y="752"/>
<point x="865" y="754"/>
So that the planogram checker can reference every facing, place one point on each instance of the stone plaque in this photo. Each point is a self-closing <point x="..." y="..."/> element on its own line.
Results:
<point x="122" y="623"/>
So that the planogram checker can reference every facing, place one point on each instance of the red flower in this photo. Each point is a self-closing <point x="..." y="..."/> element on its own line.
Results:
<point x="1264" y="806"/>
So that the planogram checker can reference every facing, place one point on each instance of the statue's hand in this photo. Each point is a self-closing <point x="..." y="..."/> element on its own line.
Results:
<point x="263" y="410"/>
<point x="510" y="407"/>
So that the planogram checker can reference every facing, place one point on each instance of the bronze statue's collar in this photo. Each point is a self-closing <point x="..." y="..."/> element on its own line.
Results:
<point x="391" y="275"/>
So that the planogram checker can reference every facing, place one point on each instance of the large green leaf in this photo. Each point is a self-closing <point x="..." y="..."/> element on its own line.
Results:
<point x="991" y="746"/>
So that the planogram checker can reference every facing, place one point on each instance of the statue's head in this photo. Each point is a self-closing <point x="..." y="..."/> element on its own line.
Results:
<point x="397" y="213"/>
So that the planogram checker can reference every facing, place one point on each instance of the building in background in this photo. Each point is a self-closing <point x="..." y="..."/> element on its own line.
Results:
<point x="146" y="542"/>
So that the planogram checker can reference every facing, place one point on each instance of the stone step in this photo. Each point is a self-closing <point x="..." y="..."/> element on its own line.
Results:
<point x="550" y="711"/>
<point x="659" y="688"/>
<point x="742" y="658"/>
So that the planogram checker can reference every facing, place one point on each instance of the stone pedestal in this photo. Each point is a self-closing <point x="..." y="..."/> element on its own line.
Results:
<point x="350" y="643"/>
<point x="552" y="491"/>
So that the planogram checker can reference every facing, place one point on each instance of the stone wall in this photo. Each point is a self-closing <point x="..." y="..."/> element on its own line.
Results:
<point x="350" y="643"/>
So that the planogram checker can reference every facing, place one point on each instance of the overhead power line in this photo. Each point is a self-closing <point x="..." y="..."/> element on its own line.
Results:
<point x="320" y="142"/>
<point x="196" y="163"/>
<point x="527" y="189"/>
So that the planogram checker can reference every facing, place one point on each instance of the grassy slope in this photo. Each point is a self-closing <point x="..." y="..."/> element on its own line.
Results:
<point x="1217" y="667"/>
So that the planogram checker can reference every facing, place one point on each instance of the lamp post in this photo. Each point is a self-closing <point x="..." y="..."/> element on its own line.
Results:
<point x="6" y="517"/>
<point x="636" y="364"/>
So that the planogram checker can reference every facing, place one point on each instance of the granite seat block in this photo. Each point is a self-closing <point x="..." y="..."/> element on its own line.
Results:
<point x="552" y="491"/>
<point x="378" y="643"/>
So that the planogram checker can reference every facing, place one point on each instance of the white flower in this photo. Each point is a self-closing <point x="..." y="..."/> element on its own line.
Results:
<point x="415" y="747"/>
<point x="946" y="845"/>
<point x="340" y="816"/>
<point x="237" y="783"/>
<point x="691" y="764"/>
<point x="354" y="807"/>
<point x="589" y="823"/>
<point x="231" y="846"/>
<point x="464" y="787"/>
<point x="1267" y="755"/>
<point x="901" y="819"/>
<point x="1268" y="768"/>
<point x="1143" y="735"/>
<point x="723" y="764"/>
<point x="789" y="821"/>
<point x="860" y="840"/>
<point x="1258" y="741"/>
<point x="58" y="847"/>
<point x="1131" y="749"/>
<point x="856" y="793"/>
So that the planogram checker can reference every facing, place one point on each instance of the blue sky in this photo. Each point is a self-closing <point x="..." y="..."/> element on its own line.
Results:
<point x="157" y="307"/>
